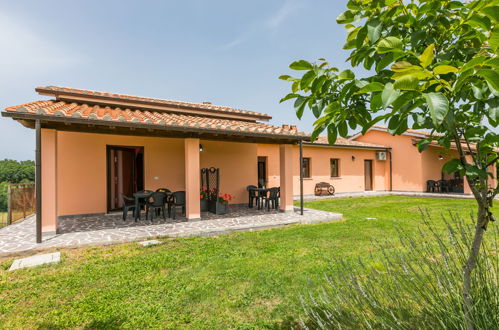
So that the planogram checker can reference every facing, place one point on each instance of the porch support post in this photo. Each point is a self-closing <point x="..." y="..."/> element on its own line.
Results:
<point x="192" y="179"/>
<point x="286" y="177"/>
<point x="38" y="180"/>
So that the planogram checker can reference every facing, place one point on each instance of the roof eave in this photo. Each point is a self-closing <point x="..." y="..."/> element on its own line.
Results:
<point x="98" y="122"/>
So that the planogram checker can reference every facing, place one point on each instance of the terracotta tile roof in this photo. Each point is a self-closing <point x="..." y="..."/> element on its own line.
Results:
<point x="410" y="131"/>
<point x="66" y="94"/>
<point x="342" y="142"/>
<point x="61" y="109"/>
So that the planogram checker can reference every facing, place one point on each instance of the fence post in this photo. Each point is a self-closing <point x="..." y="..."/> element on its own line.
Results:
<point x="9" y="204"/>
<point x="23" y="189"/>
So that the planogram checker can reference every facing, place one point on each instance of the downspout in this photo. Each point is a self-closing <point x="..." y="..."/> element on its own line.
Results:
<point x="301" y="178"/>
<point x="391" y="176"/>
<point x="38" y="180"/>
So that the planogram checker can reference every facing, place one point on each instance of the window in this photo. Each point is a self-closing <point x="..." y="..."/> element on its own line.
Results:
<point x="306" y="167"/>
<point x="334" y="164"/>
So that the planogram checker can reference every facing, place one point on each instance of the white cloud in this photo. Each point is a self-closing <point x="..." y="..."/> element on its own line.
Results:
<point x="271" y="24"/>
<point x="286" y="10"/>
<point x="26" y="50"/>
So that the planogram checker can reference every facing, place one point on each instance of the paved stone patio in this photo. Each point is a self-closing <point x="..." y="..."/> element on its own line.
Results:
<point x="111" y="229"/>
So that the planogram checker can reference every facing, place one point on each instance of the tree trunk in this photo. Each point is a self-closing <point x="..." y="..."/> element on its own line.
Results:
<point x="481" y="225"/>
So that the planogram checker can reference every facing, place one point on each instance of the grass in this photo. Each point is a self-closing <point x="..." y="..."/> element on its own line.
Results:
<point x="242" y="280"/>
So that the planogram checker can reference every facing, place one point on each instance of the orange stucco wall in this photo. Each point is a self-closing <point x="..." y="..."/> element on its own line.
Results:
<point x="81" y="167"/>
<point x="237" y="163"/>
<point x="49" y="174"/>
<point x="351" y="177"/>
<point x="407" y="162"/>
<point x="411" y="169"/>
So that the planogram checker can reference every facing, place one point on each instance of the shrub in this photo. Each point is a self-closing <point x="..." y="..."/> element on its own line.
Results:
<point x="417" y="284"/>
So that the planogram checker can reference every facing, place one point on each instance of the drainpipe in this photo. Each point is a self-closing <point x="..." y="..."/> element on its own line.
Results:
<point x="301" y="177"/>
<point x="391" y="185"/>
<point x="38" y="180"/>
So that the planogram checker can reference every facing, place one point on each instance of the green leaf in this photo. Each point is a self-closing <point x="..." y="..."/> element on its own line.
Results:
<point x="389" y="44"/>
<point x="428" y="55"/>
<point x="319" y="128"/>
<point x="371" y="87"/>
<point x="438" y="105"/>
<point x="332" y="134"/>
<point x="480" y="21"/>
<point x="288" y="97"/>
<point x="386" y="60"/>
<point x="346" y="17"/>
<point x="332" y="107"/>
<point x="301" y="65"/>
<point x="473" y="63"/>
<point x="408" y="83"/>
<point x="343" y="129"/>
<point x="443" y="69"/>
<point x="423" y="145"/>
<point x="389" y="95"/>
<point x="493" y="109"/>
<point x="346" y="75"/>
<point x="402" y="66"/>
<point x="491" y="11"/>
<point x="307" y="78"/>
<point x="285" y="77"/>
<point x="452" y="166"/>
<point x="361" y="37"/>
<point x="300" y="106"/>
<point x="374" y="27"/>
<point x="491" y="76"/>
<point x="494" y="38"/>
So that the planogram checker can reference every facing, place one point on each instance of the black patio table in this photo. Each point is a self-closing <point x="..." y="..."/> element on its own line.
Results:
<point x="261" y="192"/>
<point x="138" y="196"/>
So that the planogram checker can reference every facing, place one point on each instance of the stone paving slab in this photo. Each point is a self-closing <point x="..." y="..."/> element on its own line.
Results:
<point x="111" y="229"/>
<point x="37" y="260"/>
<point x="150" y="242"/>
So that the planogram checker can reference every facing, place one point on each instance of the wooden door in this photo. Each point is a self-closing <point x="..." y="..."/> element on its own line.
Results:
<point x="368" y="175"/>
<point x="121" y="175"/>
<point x="262" y="171"/>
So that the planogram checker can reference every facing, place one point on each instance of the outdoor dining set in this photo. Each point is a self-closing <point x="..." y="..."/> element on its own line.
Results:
<point x="159" y="202"/>
<point x="263" y="197"/>
<point x="445" y="186"/>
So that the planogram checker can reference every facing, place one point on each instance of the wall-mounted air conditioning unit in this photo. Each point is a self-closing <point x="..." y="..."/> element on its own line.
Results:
<point x="381" y="155"/>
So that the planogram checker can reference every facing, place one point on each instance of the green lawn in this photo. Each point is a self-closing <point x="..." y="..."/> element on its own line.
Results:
<point x="242" y="280"/>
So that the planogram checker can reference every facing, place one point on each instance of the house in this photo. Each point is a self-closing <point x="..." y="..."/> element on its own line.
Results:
<point x="93" y="147"/>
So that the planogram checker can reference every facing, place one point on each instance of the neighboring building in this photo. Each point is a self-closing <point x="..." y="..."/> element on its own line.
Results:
<point x="96" y="146"/>
<point x="350" y="166"/>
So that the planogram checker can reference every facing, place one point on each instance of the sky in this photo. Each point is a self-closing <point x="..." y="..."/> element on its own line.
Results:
<point x="223" y="51"/>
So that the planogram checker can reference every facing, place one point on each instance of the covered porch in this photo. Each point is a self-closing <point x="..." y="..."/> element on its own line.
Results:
<point x="77" y="181"/>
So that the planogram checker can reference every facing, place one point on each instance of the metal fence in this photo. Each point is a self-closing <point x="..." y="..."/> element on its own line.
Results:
<point x="20" y="203"/>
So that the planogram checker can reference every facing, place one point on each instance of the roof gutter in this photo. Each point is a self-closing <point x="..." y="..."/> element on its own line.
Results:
<point x="344" y="146"/>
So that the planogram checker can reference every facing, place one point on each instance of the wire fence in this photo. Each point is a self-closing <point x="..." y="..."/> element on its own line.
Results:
<point x="21" y="203"/>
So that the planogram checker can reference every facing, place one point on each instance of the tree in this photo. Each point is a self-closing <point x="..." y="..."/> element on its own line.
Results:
<point x="432" y="64"/>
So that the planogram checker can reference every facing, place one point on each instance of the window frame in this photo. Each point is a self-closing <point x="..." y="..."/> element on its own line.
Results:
<point x="337" y="167"/>
<point x="307" y="171"/>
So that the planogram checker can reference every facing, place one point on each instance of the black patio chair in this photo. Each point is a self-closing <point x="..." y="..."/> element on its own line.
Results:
<point x="252" y="195"/>
<point x="443" y="186"/>
<point x="431" y="186"/>
<point x="176" y="199"/>
<point x="156" y="202"/>
<point x="128" y="204"/>
<point x="272" y="198"/>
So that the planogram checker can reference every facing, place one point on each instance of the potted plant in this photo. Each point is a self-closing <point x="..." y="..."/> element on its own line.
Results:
<point x="204" y="196"/>
<point x="218" y="203"/>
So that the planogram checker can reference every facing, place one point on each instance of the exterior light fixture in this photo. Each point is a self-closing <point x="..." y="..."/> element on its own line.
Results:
<point x="353" y="158"/>
<point x="200" y="148"/>
<point x="440" y="157"/>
